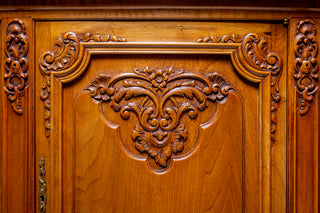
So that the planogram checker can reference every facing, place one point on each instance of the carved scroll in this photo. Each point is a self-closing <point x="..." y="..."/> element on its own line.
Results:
<point x="165" y="96"/>
<point x="42" y="187"/>
<point x="255" y="51"/>
<point x="17" y="63"/>
<point x="68" y="48"/>
<point x="305" y="64"/>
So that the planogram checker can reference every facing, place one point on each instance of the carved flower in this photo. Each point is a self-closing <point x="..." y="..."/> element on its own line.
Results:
<point x="160" y="152"/>
<point x="159" y="78"/>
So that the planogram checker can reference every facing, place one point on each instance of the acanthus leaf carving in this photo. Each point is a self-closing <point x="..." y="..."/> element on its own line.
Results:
<point x="255" y="52"/>
<point x="67" y="52"/>
<point x="17" y="63"/>
<point x="159" y="132"/>
<point x="305" y="64"/>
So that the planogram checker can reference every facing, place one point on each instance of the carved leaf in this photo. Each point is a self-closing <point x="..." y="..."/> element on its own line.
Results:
<point x="305" y="64"/>
<point x="16" y="63"/>
<point x="65" y="55"/>
<point x="159" y="133"/>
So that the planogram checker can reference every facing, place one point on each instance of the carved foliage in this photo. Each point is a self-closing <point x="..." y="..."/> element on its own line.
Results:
<point x="67" y="52"/>
<point x="17" y="63"/>
<point x="42" y="187"/>
<point x="233" y="38"/>
<point x="166" y="96"/>
<point x="255" y="50"/>
<point x="305" y="63"/>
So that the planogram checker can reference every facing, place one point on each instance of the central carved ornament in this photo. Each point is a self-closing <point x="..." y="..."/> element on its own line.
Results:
<point x="159" y="98"/>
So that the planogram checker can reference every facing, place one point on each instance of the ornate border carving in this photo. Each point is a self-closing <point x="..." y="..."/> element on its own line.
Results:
<point x="305" y="64"/>
<point x="154" y="96"/>
<point x="255" y="51"/>
<point x="17" y="63"/>
<point x="68" y="49"/>
<point x="251" y="56"/>
<point x="42" y="186"/>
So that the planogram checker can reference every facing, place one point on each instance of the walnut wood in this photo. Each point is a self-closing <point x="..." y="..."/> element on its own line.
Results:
<point x="159" y="107"/>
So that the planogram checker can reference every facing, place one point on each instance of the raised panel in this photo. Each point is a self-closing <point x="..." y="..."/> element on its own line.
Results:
<point x="176" y="124"/>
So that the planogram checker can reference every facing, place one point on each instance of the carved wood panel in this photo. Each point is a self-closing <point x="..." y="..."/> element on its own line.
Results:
<point x="126" y="116"/>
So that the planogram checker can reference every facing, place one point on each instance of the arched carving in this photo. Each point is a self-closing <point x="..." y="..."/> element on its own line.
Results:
<point x="249" y="55"/>
<point x="159" y="132"/>
<point x="254" y="50"/>
<point x="67" y="52"/>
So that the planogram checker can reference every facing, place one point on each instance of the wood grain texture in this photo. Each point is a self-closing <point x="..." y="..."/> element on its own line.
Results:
<point x="303" y="147"/>
<point x="17" y="149"/>
<point x="92" y="140"/>
<point x="227" y="163"/>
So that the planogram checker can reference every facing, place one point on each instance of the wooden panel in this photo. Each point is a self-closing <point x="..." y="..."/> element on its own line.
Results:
<point x="17" y="179"/>
<point x="107" y="148"/>
<point x="304" y="113"/>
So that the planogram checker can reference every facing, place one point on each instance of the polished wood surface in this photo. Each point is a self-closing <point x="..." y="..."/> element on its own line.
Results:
<point x="149" y="109"/>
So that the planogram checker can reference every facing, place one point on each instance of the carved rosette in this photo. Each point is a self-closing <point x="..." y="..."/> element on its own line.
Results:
<point x="42" y="186"/>
<point x="305" y="64"/>
<point x="159" y="98"/>
<point x="17" y="63"/>
<point x="255" y="52"/>
<point x="67" y="52"/>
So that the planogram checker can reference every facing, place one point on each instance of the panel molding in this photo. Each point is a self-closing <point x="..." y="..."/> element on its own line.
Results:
<point x="249" y="54"/>
<point x="68" y="50"/>
<point x="254" y="49"/>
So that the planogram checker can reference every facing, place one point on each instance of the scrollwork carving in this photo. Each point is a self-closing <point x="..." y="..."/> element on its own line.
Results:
<point x="255" y="52"/>
<point x="67" y="52"/>
<point x="17" y="63"/>
<point x="42" y="186"/>
<point x="305" y="64"/>
<point x="159" y="132"/>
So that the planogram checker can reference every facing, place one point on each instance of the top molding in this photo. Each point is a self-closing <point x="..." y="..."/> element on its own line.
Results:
<point x="159" y="13"/>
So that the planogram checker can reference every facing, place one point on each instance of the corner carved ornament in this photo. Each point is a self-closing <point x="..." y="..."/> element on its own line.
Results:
<point x="17" y="63"/>
<point x="305" y="64"/>
<point x="159" y="134"/>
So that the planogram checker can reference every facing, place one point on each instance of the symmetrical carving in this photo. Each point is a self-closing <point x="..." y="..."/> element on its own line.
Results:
<point x="68" y="48"/>
<point x="17" y="63"/>
<point x="305" y="64"/>
<point x="42" y="186"/>
<point x="159" y="98"/>
<point x="255" y="52"/>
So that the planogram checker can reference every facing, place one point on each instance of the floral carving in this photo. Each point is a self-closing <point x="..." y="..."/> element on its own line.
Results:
<point x="305" y="64"/>
<point x="42" y="187"/>
<point x="17" y="63"/>
<point x="67" y="51"/>
<point x="159" y="132"/>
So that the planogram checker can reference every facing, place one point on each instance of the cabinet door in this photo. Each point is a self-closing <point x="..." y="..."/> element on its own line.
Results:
<point x="151" y="116"/>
